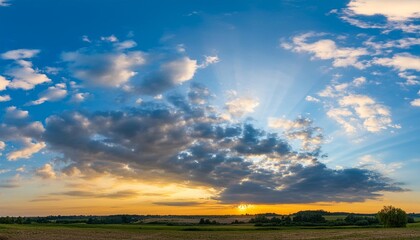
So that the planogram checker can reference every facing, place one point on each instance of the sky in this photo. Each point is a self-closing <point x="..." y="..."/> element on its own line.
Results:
<point x="198" y="107"/>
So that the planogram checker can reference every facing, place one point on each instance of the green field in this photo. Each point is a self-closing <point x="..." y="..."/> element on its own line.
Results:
<point x="162" y="232"/>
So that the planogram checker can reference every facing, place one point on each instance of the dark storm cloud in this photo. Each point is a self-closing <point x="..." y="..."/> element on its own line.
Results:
<point x="311" y="184"/>
<point x="184" y="139"/>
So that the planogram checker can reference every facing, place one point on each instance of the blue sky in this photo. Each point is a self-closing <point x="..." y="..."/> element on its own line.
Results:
<point x="232" y="99"/>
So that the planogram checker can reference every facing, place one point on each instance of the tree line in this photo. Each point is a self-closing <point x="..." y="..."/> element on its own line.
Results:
<point x="389" y="216"/>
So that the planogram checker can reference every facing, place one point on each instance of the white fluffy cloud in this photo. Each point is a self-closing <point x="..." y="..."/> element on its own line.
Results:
<point x="46" y="172"/>
<point x="398" y="14"/>
<point x="311" y="99"/>
<point x="415" y="102"/>
<point x="29" y="148"/>
<point x="393" y="10"/>
<point x="208" y="60"/>
<point x="5" y="98"/>
<point x="242" y="105"/>
<point x="327" y="49"/>
<point x="20" y="54"/>
<point x="52" y="94"/>
<point x="181" y="70"/>
<point x="3" y="83"/>
<point x="355" y="111"/>
<point x="402" y="62"/>
<point x="23" y="75"/>
<point x="375" y="117"/>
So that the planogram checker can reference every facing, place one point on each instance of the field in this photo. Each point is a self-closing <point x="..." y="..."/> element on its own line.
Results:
<point x="159" y="232"/>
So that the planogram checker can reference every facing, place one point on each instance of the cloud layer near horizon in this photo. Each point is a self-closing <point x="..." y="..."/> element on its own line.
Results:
<point x="182" y="139"/>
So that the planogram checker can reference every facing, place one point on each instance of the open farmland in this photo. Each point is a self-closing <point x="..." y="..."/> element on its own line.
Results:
<point x="132" y="231"/>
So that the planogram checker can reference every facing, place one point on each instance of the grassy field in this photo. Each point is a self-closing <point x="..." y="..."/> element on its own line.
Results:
<point x="160" y="232"/>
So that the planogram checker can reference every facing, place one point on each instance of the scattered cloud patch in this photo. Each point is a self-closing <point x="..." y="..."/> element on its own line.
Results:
<point x="46" y="172"/>
<point x="393" y="10"/>
<point x="415" y="102"/>
<point x="397" y="14"/>
<point x="169" y="75"/>
<point x="3" y="83"/>
<point x="311" y="99"/>
<point x="28" y="149"/>
<point x="370" y="162"/>
<point x="300" y="129"/>
<point x="402" y="62"/>
<point x="112" y="69"/>
<point x="354" y="111"/>
<point x="327" y="49"/>
<point x="240" y="106"/>
<point x="79" y="97"/>
<point x="4" y="3"/>
<point x="23" y="74"/>
<point x="5" y="98"/>
<point x="52" y="94"/>
<point x="19" y="54"/>
<point x="17" y="129"/>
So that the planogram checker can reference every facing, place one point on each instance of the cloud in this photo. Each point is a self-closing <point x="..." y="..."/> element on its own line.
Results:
<point x="3" y="83"/>
<point x="208" y="60"/>
<point x="402" y="62"/>
<point x="182" y="139"/>
<point x="359" y="81"/>
<point x="19" y="54"/>
<point x="28" y="149"/>
<point x="403" y="43"/>
<point x="111" y="38"/>
<point x="355" y="111"/>
<point x="311" y="99"/>
<point x="45" y="172"/>
<point x="376" y="117"/>
<point x="4" y="3"/>
<point x="170" y="74"/>
<point x="300" y="129"/>
<point x="415" y="102"/>
<point x="348" y="185"/>
<point x="91" y="194"/>
<point x="125" y="44"/>
<point x="370" y="162"/>
<point x="52" y="94"/>
<point x="327" y="49"/>
<point x="397" y="14"/>
<point x="393" y="10"/>
<point x="178" y="204"/>
<point x="240" y="106"/>
<point x="17" y="128"/>
<point x="79" y="97"/>
<point x="15" y="113"/>
<point x="23" y="75"/>
<point x="111" y="69"/>
<point x="5" y="98"/>
<point x="411" y="80"/>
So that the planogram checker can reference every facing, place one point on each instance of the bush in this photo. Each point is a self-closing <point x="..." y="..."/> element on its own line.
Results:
<point x="390" y="216"/>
